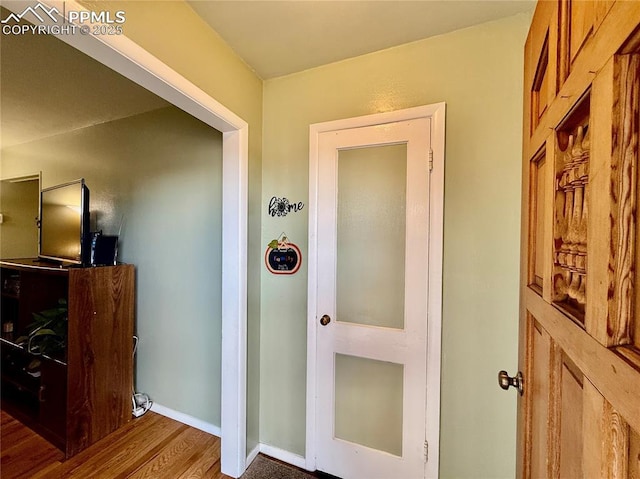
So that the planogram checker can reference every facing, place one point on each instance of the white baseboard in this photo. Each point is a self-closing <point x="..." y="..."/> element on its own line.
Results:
<point x="186" y="419"/>
<point x="284" y="456"/>
<point x="253" y="454"/>
<point x="271" y="451"/>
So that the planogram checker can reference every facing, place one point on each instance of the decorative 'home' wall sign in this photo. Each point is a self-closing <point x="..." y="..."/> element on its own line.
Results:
<point x="282" y="256"/>
<point x="282" y="206"/>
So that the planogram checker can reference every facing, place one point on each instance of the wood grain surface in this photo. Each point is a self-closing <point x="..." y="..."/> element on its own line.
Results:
<point x="100" y="353"/>
<point x="579" y="338"/>
<point x="152" y="446"/>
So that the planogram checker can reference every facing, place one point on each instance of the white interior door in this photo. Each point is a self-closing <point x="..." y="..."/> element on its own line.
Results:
<point x="372" y="300"/>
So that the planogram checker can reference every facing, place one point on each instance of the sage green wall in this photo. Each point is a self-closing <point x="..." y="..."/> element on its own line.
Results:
<point x="478" y="73"/>
<point x="162" y="172"/>
<point x="175" y="34"/>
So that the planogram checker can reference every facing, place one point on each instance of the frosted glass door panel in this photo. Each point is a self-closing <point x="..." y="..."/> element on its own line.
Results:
<point x="372" y="196"/>
<point x="368" y="395"/>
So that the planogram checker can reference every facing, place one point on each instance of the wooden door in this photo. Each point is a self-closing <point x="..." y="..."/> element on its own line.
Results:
<point x="579" y="415"/>
<point x="372" y="277"/>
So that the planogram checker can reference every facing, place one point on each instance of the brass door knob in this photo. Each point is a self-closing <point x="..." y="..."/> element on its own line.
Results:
<point x="325" y="319"/>
<point x="505" y="381"/>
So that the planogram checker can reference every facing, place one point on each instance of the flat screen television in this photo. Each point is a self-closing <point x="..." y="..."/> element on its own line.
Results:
<point x="64" y="223"/>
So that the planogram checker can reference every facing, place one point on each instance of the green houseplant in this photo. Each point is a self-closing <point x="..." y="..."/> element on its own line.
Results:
<point x="47" y="335"/>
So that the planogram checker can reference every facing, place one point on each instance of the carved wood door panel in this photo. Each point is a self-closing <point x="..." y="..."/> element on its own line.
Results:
<point x="579" y="415"/>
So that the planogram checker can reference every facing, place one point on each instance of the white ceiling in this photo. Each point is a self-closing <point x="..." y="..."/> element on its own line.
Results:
<point x="281" y="37"/>
<point x="48" y="88"/>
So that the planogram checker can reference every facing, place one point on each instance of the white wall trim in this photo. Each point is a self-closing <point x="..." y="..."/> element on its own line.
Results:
<point x="132" y="61"/>
<point x="312" y="300"/>
<point x="282" y="455"/>
<point x="437" y="114"/>
<point x="253" y="454"/>
<point x="271" y="451"/>
<point x="434" y="331"/>
<point x="186" y="419"/>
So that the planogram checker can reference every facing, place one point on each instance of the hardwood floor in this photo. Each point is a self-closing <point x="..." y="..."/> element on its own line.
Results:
<point x="152" y="446"/>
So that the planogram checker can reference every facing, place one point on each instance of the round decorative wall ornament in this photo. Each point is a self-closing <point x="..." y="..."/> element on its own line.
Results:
<point x="282" y="256"/>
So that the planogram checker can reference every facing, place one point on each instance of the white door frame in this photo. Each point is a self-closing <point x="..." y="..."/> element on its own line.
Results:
<point x="436" y="112"/>
<point x="132" y="61"/>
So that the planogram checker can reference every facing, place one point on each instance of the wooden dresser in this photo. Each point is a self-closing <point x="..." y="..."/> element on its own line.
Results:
<point x="79" y="394"/>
